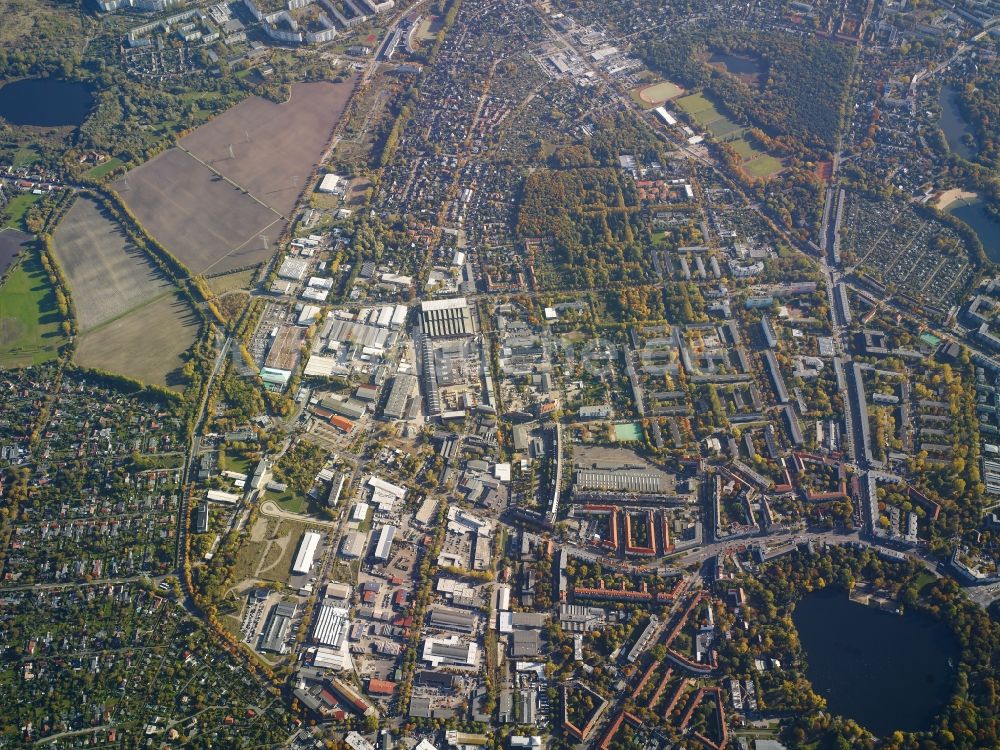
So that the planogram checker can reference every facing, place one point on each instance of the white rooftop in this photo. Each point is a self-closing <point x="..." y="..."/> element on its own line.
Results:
<point x="454" y="303"/>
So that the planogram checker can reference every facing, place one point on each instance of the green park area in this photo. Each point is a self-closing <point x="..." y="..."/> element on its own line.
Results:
<point x="289" y="500"/>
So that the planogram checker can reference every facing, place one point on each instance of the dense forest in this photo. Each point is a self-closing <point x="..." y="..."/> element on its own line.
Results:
<point x="802" y="88"/>
<point x="594" y="225"/>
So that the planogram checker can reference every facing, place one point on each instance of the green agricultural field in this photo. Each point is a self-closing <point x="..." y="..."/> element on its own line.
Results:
<point x="763" y="166"/>
<point x="13" y="213"/>
<point x="30" y="330"/>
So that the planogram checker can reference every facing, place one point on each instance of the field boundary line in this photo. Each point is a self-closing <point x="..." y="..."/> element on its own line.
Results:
<point x="242" y="245"/>
<point x="166" y="293"/>
<point x="236" y="185"/>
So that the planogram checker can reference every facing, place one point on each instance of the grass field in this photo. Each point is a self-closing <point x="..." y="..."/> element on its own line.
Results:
<point x="106" y="168"/>
<point x="695" y="103"/>
<point x="764" y="166"/>
<point x="706" y="115"/>
<point x="16" y="208"/>
<point x="268" y="556"/>
<point x="230" y="282"/>
<point x="107" y="274"/>
<point x="29" y="319"/>
<point x="658" y="93"/>
<point x="233" y="461"/>
<point x="742" y="147"/>
<point x="724" y="129"/>
<point x="289" y="500"/>
<point x="146" y="344"/>
<point x="25" y="157"/>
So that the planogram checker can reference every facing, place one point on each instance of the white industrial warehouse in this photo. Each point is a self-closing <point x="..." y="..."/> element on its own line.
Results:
<point x="307" y="551"/>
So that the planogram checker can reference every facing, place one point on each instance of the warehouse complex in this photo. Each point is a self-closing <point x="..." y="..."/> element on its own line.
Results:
<point x="446" y="318"/>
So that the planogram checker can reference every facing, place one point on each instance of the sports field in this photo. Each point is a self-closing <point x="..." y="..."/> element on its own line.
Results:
<point x="29" y="318"/>
<point x="706" y="115"/>
<point x="209" y="200"/>
<point x="763" y="166"/>
<point x="628" y="432"/>
<point x="146" y="344"/>
<point x="742" y="147"/>
<point x="658" y="93"/>
<point x="107" y="274"/>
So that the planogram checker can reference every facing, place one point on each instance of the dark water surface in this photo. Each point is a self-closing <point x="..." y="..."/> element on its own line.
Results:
<point x="45" y="102"/>
<point x="953" y="125"/>
<point x="974" y="214"/>
<point x="737" y="64"/>
<point x="883" y="670"/>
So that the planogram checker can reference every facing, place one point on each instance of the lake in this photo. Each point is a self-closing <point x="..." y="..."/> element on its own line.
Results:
<point x="953" y="125"/>
<point x="45" y="102"/>
<point x="974" y="214"/>
<point x="747" y="69"/>
<point x="883" y="670"/>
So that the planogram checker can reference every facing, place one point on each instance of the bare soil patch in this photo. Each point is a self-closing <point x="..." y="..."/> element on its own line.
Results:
<point x="146" y="344"/>
<point x="206" y="222"/>
<point x="107" y="274"/>
<point x="235" y="178"/>
<point x="274" y="146"/>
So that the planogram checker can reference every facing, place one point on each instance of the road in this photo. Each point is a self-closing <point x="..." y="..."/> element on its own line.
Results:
<point x="707" y="551"/>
